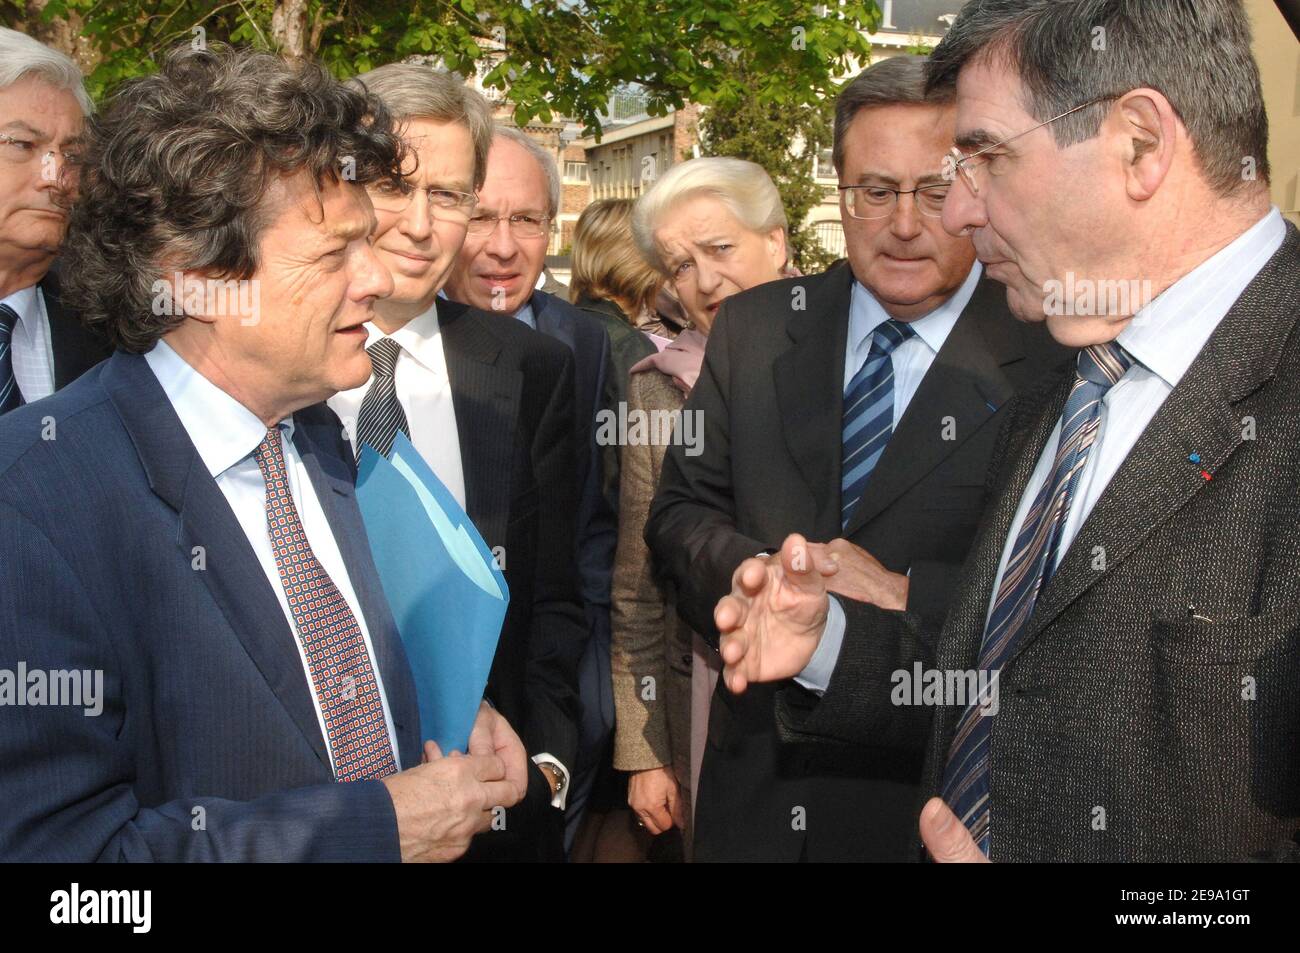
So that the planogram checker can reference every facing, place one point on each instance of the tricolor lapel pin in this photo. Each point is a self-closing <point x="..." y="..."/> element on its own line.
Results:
<point x="1195" y="457"/>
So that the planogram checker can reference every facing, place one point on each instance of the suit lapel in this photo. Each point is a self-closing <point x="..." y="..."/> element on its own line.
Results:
<point x="232" y="574"/>
<point x="486" y="397"/>
<point x="809" y="391"/>
<point x="1156" y="479"/>
<point x="965" y="382"/>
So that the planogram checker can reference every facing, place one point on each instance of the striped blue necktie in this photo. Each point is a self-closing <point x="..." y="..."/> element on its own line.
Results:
<point x="381" y="415"/>
<point x="869" y="414"/>
<point x="1032" y="562"/>
<point x="10" y="395"/>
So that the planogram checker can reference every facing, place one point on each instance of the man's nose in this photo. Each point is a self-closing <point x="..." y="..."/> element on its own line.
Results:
<point x="905" y="223"/>
<point x="963" y="210"/>
<point x="501" y="243"/>
<point x="416" y="222"/>
<point x="54" y="172"/>
<point x="369" y="276"/>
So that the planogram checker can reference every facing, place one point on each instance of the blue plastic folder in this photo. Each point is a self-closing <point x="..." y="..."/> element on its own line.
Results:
<point x="447" y="595"/>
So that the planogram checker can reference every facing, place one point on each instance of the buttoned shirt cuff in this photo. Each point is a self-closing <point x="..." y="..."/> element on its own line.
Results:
<point x="816" y="676"/>
<point x="562" y="796"/>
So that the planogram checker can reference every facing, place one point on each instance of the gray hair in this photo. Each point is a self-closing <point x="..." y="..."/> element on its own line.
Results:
<point x="21" y="56"/>
<point x="418" y="92"/>
<point x="899" y="79"/>
<point x="743" y="187"/>
<point x="1198" y="54"/>
<point x="547" y="161"/>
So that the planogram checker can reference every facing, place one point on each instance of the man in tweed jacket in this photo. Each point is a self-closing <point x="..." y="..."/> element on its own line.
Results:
<point x="1138" y="599"/>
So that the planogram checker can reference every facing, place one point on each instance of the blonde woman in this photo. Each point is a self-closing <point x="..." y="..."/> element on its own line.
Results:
<point x="712" y="227"/>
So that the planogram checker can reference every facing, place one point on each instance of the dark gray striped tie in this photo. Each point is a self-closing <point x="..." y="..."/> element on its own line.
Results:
<point x="10" y="395"/>
<point x="381" y="415"/>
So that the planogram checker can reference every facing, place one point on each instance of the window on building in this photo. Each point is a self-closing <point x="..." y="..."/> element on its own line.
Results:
<point x="823" y="167"/>
<point x="830" y="235"/>
<point x="575" y="171"/>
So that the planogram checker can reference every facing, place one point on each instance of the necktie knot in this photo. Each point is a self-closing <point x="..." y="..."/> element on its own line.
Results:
<point x="1104" y="364"/>
<point x="383" y="356"/>
<point x="270" y="457"/>
<point x="889" y="335"/>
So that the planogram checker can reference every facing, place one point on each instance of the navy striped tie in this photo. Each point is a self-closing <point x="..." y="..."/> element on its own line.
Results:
<point x="10" y="395"/>
<point x="381" y="415"/>
<point x="869" y="414"/>
<point x="1032" y="561"/>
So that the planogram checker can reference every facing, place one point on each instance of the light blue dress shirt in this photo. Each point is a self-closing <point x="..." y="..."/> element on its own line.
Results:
<point x="912" y="358"/>
<point x="226" y="433"/>
<point x="1164" y="338"/>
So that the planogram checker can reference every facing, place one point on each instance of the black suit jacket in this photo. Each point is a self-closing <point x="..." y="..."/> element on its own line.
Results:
<point x="770" y="399"/>
<point x="1127" y="729"/>
<point x="513" y="393"/>
<point x="76" y="349"/>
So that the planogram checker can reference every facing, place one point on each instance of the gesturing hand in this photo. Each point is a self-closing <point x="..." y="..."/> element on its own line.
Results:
<point x="772" y="621"/>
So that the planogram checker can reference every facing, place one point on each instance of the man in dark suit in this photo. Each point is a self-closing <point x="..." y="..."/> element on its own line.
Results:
<point x="1128" y="612"/>
<point x="43" y="347"/>
<point x="498" y="270"/>
<point x="858" y="407"/>
<point x="489" y="404"/>
<point x="211" y="669"/>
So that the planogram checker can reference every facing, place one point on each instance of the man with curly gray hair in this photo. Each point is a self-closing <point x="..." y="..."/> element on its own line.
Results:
<point x="182" y="518"/>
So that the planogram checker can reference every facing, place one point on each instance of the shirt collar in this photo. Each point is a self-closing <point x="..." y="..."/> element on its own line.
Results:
<point x="23" y="301"/>
<point x="1166" y="335"/>
<point x="223" y="430"/>
<point x="525" y="314"/>
<point x="421" y="337"/>
<point x="866" y="314"/>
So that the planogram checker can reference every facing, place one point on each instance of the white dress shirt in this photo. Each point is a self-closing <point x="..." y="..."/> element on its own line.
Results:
<point x="424" y="391"/>
<point x="912" y="358"/>
<point x="1164" y="339"/>
<point x="226" y="433"/>
<point x="32" y="350"/>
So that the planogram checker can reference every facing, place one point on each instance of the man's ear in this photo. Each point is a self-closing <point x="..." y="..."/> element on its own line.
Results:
<point x="1148" y="124"/>
<point x="187" y="293"/>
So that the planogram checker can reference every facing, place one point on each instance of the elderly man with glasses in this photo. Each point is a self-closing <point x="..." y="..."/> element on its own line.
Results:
<point x="499" y="270"/>
<point x="42" y="109"/>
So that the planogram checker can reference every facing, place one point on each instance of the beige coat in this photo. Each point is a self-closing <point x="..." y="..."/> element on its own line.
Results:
<point x="651" y="646"/>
